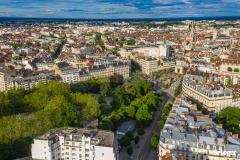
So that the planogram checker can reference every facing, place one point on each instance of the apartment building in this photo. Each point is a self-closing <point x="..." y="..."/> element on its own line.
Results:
<point x="150" y="65"/>
<point x="21" y="80"/>
<point x="213" y="96"/>
<point x="161" y="51"/>
<point x="75" y="144"/>
<point x="189" y="134"/>
<point x="73" y="75"/>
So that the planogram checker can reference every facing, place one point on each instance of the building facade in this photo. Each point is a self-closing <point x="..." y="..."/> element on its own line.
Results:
<point x="190" y="134"/>
<point x="74" y="75"/>
<point x="213" y="98"/>
<point x="75" y="144"/>
<point x="26" y="82"/>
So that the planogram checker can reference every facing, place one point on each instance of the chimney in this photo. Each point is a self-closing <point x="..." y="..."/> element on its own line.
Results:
<point x="219" y="125"/>
<point x="229" y="134"/>
<point x="235" y="136"/>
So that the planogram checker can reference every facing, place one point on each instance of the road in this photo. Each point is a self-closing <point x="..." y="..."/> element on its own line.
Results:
<point x="146" y="151"/>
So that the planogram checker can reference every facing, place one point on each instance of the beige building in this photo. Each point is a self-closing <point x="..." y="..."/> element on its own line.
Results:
<point x="74" y="75"/>
<point x="150" y="65"/>
<point x="214" y="99"/>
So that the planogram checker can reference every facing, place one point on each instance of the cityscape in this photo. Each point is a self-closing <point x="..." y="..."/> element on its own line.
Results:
<point x="127" y="80"/>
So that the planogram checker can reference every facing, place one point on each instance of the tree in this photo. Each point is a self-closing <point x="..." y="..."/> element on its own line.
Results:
<point x="230" y="118"/>
<point x="16" y="101"/>
<point x="151" y="100"/>
<point x="236" y="70"/>
<point x="44" y="93"/>
<point x="136" y="139"/>
<point x="178" y="90"/>
<point x="140" y="131"/>
<point x="161" y="124"/>
<point x="229" y="69"/>
<point x="105" y="89"/>
<point x="125" y="141"/>
<point x="135" y="66"/>
<point x="130" y="110"/>
<point x="154" y="140"/>
<point x="87" y="106"/>
<point x="60" y="112"/>
<point x="143" y="114"/>
<point x="106" y="124"/>
<point x="167" y="108"/>
<point x="116" y="80"/>
<point x="4" y="105"/>
<point x="130" y="42"/>
<point x="129" y="150"/>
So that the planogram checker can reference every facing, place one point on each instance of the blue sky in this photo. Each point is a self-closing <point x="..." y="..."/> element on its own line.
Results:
<point x="118" y="8"/>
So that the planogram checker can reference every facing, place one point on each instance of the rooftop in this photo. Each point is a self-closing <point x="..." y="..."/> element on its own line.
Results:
<point x="187" y="125"/>
<point x="105" y="138"/>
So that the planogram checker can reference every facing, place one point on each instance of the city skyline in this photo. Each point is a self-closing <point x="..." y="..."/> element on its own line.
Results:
<point x="110" y="9"/>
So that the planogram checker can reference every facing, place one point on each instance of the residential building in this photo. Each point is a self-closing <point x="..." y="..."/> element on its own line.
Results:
<point x="25" y="80"/>
<point x="73" y="75"/>
<point x="150" y="65"/>
<point x="190" y="134"/>
<point x="212" y="94"/>
<point x="75" y="144"/>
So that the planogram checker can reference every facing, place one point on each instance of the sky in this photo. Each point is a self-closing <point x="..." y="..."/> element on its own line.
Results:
<point x="113" y="9"/>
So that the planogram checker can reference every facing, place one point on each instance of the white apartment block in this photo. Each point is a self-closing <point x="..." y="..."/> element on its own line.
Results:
<point x="8" y="81"/>
<point x="161" y="51"/>
<point x="75" y="144"/>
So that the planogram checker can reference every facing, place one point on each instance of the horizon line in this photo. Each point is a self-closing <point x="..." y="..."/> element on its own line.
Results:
<point x="226" y="18"/>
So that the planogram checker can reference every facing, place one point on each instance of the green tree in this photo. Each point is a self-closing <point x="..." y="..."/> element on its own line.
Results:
<point x="15" y="98"/>
<point x="144" y="115"/>
<point x="140" y="131"/>
<point x="136" y="139"/>
<point x="105" y="89"/>
<point x="131" y="111"/>
<point x="161" y="124"/>
<point x="230" y="69"/>
<point x="116" y="80"/>
<point x="135" y="66"/>
<point x="60" y="112"/>
<point x="125" y="141"/>
<point x="236" y="70"/>
<point x="4" y="105"/>
<point x="129" y="150"/>
<point x="230" y="118"/>
<point x="87" y="106"/>
<point x="44" y="93"/>
<point x="154" y="140"/>
<point x="130" y="42"/>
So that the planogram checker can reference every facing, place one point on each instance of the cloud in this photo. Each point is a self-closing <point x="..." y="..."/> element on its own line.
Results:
<point x="118" y="8"/>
